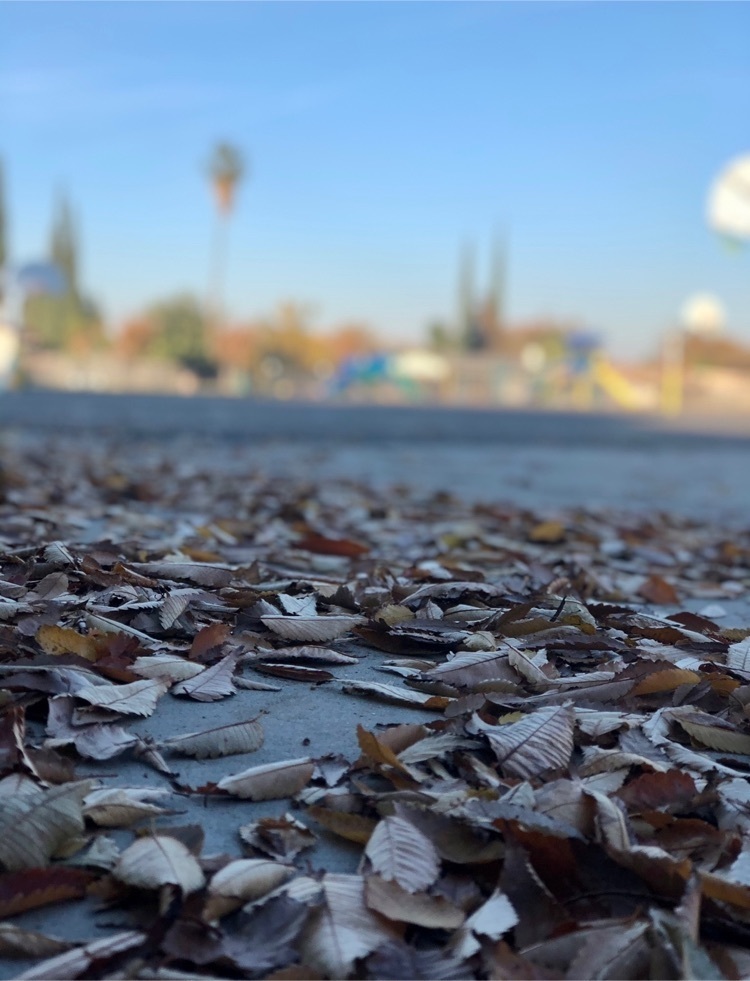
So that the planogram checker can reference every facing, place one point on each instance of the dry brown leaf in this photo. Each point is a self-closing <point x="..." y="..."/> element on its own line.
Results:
<point x="237" y="737"/>
<point x="35" y="887"/>
<point x="323" y="545"/>
<point x="279" y="838"/>
<point x="666" y="680"/>
<point x="399" y="851"/>
<point x="342" y="929"/>
<point x="209" y="637"/>
<point x="353" y="827"/>
<point x="15" y="942"/>
<point x="212" y="684"/>
<point x="136" y="698"/>
<point x="199" y="573"/>
<point x="658" y="591"/>
<point x="271" y="781"/>
<point x="397" y="696"/>
<point x="76" y="963"/>
<point x="307" y="653"/>
<point x="172" y="667"/>
<point x="494" y="917"/>
<point x="478" y="671"/>
<point x="540" y="742"/>
<point x="392" y="901"/>
<point x="652" y="791"/>
<point x="159" y="860"/>
<point x="97" y="741"/>
<point x="63" y="640"/>
<point x="115" y="807"/>
<point x="548" y="533"/>
<point x="243" y="881"/>
<point x="293" y="672"/>
<point x="174" y="606"/>
<point x="33" y="826"/>
<point x="738" y="656"/>
<point x="313" y="630"/>
<point x="713" y="732"/>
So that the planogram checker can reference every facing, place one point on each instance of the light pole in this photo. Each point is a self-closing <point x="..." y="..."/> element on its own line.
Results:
<point x="702" y="315"/>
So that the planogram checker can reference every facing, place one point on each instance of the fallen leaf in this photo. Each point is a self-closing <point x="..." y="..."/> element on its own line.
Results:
<point x="136" y="698"/>
<point x="158" y="860"/>
<point x="212" y="684"/>
<point x="242" y="881"/>
<point x="542" y="741"/>
<point x="208" y="638"/>
<point x="342" y="929"/>
<point x="237" y="737"/>
<point x="57" y="640"/>
<point x="399" y="851"/>
<point x="658" y="591"/>
<point x="396" y="903"/>
<point x="270" y="781"/>
<point x="308" y="629"/>
<point x="15" y="942"/>
<point x="31" y="888"/>
<point x="76" y="963"/>
<point x="33" y="826"/>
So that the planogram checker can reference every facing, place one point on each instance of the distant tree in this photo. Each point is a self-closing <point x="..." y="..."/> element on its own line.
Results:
<point x="135" y="338"/>
<point x="439" y="336"/>
<point x="226" y="168"/>
<point x="179" y="333"/>
<point x="64" y="323"/>
<point x="64" y="243"/>
<point x="68" y="322"/>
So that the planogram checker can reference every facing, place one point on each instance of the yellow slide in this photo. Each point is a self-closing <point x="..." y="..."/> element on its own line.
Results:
<point x="622" y="392"/>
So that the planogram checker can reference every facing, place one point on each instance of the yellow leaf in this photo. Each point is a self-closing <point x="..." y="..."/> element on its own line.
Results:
<point x="353" y="827"/>
<point x="56" y="640"/>
<point x="666" y="680"/>
<point x="722" y="737"/>
<point x="548" y="533"/>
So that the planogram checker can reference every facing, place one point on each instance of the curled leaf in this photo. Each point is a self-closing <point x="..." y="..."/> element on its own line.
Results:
<point x="152" y="862"/>
<point x="243" y="881"/>
<point x="307" y="629"/>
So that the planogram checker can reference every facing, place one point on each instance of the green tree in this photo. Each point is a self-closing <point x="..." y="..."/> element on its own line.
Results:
<point x="226" y="169"/>
<point x="179" y="332"/>
<point x="64" y="243"/>
<point x="71" y="321"/>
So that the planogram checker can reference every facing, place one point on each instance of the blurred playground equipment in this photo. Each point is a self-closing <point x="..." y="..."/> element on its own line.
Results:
<point x="593" y="377"/>
<point x="581" y="376"/>
<point x="411" y="373"/>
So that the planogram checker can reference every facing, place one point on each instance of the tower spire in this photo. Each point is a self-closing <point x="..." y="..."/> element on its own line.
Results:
<point x="466" y="311"/>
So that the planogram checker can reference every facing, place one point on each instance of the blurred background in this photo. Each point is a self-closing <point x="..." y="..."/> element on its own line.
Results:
<point x="463" y="203"/>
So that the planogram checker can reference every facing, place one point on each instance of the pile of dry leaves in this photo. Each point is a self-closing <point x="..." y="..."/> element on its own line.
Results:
<point x="574" y="803"/>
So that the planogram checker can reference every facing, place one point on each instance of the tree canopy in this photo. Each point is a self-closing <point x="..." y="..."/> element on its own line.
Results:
<point x="70" y="321"/>
<point x="226" y="169"/>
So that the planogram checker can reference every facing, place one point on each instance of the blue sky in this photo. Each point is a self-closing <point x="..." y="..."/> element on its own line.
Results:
<point x="381" y="137"/>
